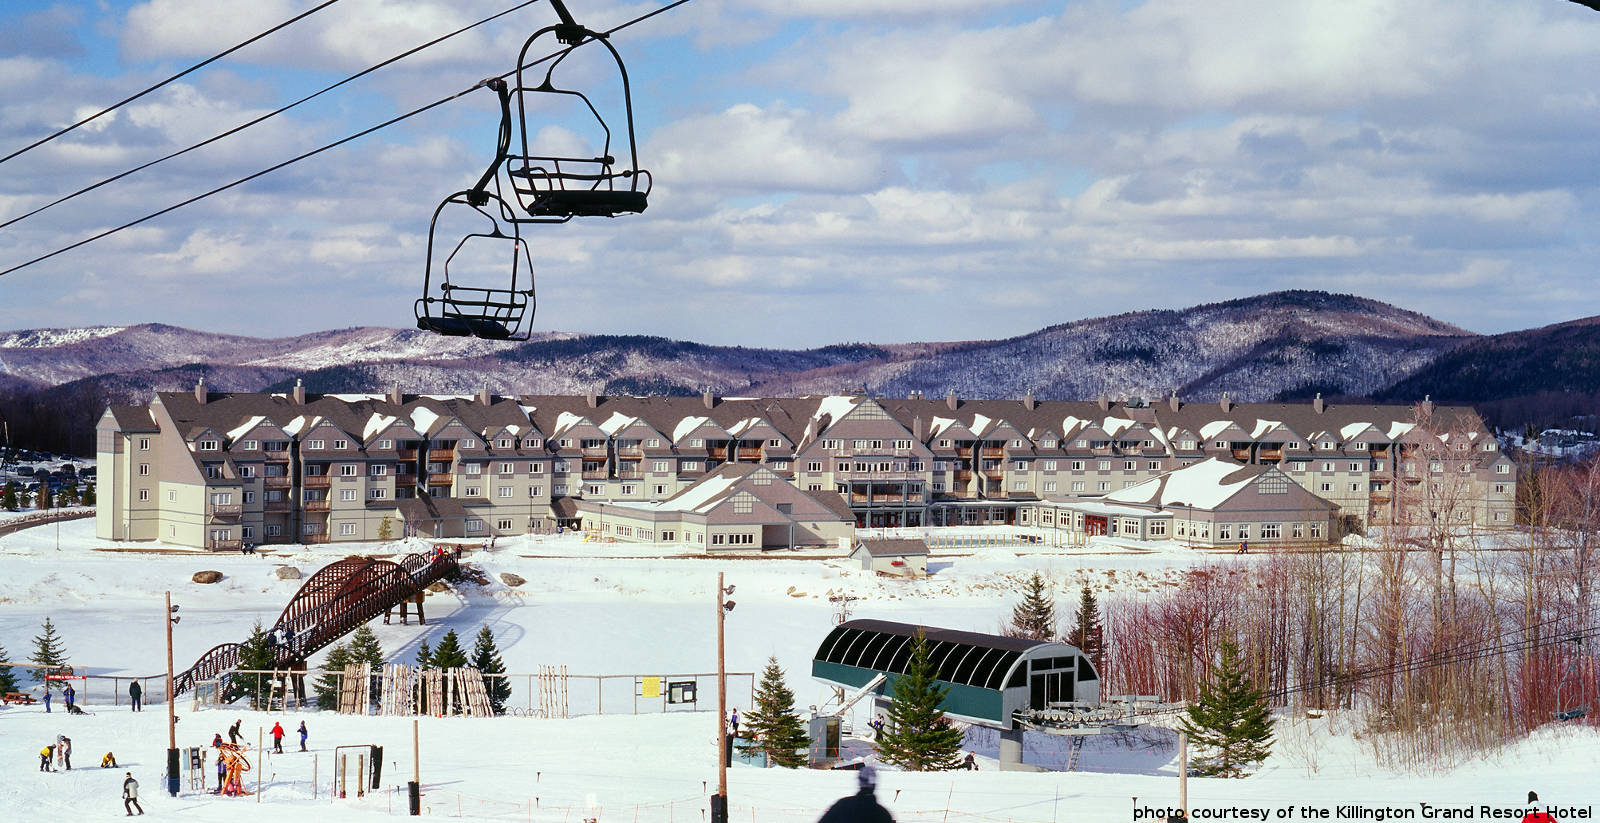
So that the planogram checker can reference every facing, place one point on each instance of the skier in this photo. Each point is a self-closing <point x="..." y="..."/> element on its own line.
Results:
<point x="64" y="750"/>
<point x="1535" y="814"/>
<point x="222" y="771"/>
<point x="233" y="731"/>
<point x="733" y="722"/>
<point x="109" y="761"/>
<point x="67" y="695"/>
<point x="303" y="735"/>
<point x="133" y="695"/>
<point x="216" y="741"/>
<point x="861" y="807"/>
<point x="46" y="754"/>
<point x="47" y="698"/>
<point x="970" y="763"/>
<point x="130" y="795"/>
<point x="877" y="727"/>
<point x="288" y="639"/>
<point x="277" y="738"/>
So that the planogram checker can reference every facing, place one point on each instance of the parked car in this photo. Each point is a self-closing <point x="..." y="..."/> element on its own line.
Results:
<point x="25" y="471"/>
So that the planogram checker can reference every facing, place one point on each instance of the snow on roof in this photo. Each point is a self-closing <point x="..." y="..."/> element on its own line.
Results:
<point x="355" y="398"/>
<point x="1116" y="425"/>
<point x="1069" y="423"/>
<point x="1200" y="486"/>
<point x="449" y="396"/>
<point x="939" y="425"/>
<point x="566" y="420"/>
<point x="686" y="425"/>
<point x="1214" y="428"/>
<point x="235" y="434"/>
<point x="423" y="418"/>
<point x="1262" y="427"/>
<point x="376" y="423"/>
<point x="980" y="423"/>
<point x="1161" y="437"/>
<point x="299" y="423"/>
<point x="835" y="407"/>
<point x="616" y="422"/>
<point x="1352" y="429"/>
<point x="745" y="425"/>
<point x="698" y="495"/>
<point x="528" y="410"/>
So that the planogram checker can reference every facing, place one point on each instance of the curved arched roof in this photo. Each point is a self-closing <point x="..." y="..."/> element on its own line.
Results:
<point x="967" y="658"/>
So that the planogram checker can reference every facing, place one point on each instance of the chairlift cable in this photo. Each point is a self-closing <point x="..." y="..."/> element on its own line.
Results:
<point x="200" y="65"/>
<point x="267" y="116"/>
<point x="363" y="133"/>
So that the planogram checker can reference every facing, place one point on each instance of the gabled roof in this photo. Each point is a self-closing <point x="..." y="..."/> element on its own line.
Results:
<point x="1204" y="485"/>
<point x="894" y="548"/>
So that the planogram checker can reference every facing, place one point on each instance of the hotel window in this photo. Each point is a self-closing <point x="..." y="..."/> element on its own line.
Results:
<point x="938" y="486"/>
<point x="274" y="530"/>
<point x="1104" y="465"/>
<point x="1327" y="467"/>
<point x="1019" y="465"/>
<point x="469" y="444"/>
<point x="1077" y="485"/>
<point x="1244" y="531"/>
<point x="1355" y="487"/>
<point x="1499" y="517"/>
<point x="944" y="444"/>
<point x="1077" y="465"/>
<point x="816" y="487"/>
<point x="1327" y="487"/>
<point x="1271" y="531"/>
<point x="531" y="443"/>
<point x="474" y="525"/>
<point x="503" y="524"/>
<point x="347" y="494"/>
<point x="660" y="490"/>
<point x="502" y="491"/>
<point x="691" y="466"/>
<point x="1049" y="465"/>
<point x="214" y="472"/>
<point x="1326" y="445"/>
<point x="1105" y="485"/>
<point x="347" y="529"/>
<point x="1081" y="443"/>
<point x="1355" y="467"/>
<point x="661" y="466"/>
<point x="630" y="489"/>
<point x="1049" y="485"/>
<point x="1221" y="444"/>
<point x="144" y="444"/>
<point x="1019" y="485"/>
<point x="1316" y="530"/>
<point x="208" y="445"/>
<point x="1048" y="444"/>
<point x="247" y="471"/>
<point x="535" y="491"/>
<point x="1436" y="466"/>
<point x="1130" y="465"/>
<point x="1016" y="444"/>
<point x="1128" y="484"/>
<point x="653" y="443"/>
<point x="247" y="532"/>
<point x="342" y="444"/>
<point x="1224" y="531"/>
<point x="696" y="442"/>
<point x="474" y="491"/>
<point x="1273" y="485"/>
<point x="775" y="443"/>
<point x="503" y="443"/>
<point x="1500" y="469"/>
<point x="1359" y="446"/>
<point x="1501" y="488"/>
<point x="315" y="444"/>
<point x="1158" y="528"/>
<point x="377" y="493"/>
<point x="348" y="469"/>
<point x="1297" y="531"/>
<point x="1154" y="465"/>
<point x="385" y="444"/>
<point x="508" y="468"/>
<point x="743" y="504"/>
<point x="250" y="445"/>
<point x="716" y="539"/>
<point x="814" y="466"/>
<point x="566" y="442"/>
<point x="378" y="469"/>
<point x="474" y="469"/>
<point x="144" y="494"/>
<point x="594" y="489"/>
<point x="1187" y="445"/>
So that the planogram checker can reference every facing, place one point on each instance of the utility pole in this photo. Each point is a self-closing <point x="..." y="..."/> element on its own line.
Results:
<point x="172" y="704"/>
<point x="1183" y="772"/>
<point x="719" y="801"/>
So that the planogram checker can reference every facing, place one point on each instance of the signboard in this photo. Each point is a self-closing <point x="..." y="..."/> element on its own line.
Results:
<point x="649" y="687"/>
<point x="65" y="677"/>
<point x="680" y="691"/>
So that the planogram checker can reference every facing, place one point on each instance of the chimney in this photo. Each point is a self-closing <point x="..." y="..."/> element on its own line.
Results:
<point x="299" y="392"/>
<point x="1172" y="402"/>
<point x="708" y="398"/>
<point x="1226" y="406"/>
<point x="1028" y="402"/>
<point x="200" y="391"/>
<point x="1427" y="404"/>
<point x="952" y="401"/>
<point x="395" y="396"/>
<point x="1104" y="402"/>
<point x="484" y="398"/>
<point x="592" y="399"/>
<point x="917" y="429"/>
<point x="1316" y="404"/>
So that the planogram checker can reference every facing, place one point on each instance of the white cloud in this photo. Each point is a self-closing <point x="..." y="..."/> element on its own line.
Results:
<point x="747" y="148"/>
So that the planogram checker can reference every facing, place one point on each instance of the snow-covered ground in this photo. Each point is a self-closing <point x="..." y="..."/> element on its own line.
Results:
<point x="625" y="614"/>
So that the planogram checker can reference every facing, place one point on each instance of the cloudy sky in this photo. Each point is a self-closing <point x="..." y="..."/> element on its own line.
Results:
<point x="825" y="170"/>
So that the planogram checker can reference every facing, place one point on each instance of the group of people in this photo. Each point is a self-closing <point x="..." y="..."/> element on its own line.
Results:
<point x="69" y="697"/>
<point x="234" y="736"/>
<point x="58" y="753"/>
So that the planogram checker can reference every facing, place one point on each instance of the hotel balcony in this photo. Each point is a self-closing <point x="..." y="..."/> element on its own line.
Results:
<point x="316" y="481"/>
<point x="405" y="480"/>
<point x="1241" y="455"/>
<point x="1274" y="455"/>
<point x="408" y="455"/>
<point x="596" y="475"/>
<point x="224" y="545"/>
<point x="224" y="511"/>
<point x="317" y="505"/>
<point x="441" y="479"/>
<point x="750" y="455"/>
<point x="276" y="482"/>
<point x="594" y="452"/>
<point x="276" y="506"/>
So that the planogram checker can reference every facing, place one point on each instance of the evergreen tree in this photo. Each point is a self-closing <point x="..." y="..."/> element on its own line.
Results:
<point x="1034" y="617"/>
<point x="448" y="655"/>
<point x="47" y="651"/>
<point x="365" y="648"/>
<point x="918" y="737"/>
<point x="255" y="654"/>
<point x="486" y="659"/>
<point x="775" y="727"/>
<point x="1086" y="634"/>
<point x="327" y="685"/>
<point x="386" y="529"/>
<point x="8" y="498"/>
<point x="1230" y="719"/>
<point x="88" y="495"/>
<point x="63" y="499"/>
<point x="8" y="681"/>
<point x="424" y="656"/>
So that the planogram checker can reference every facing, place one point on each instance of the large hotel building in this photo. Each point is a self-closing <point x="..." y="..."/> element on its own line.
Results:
<point x="223" y="470"/>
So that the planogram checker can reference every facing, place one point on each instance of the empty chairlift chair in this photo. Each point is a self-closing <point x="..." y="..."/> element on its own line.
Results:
<point x="551" y="188"/>
<point x="463" y="293"/>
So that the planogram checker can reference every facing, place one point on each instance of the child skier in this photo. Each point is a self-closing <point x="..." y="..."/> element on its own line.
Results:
<point x="303" y="735"/>
<point x="277" y="738"/>
<point x="130" y="795"/>
<point x="45" y="755"/>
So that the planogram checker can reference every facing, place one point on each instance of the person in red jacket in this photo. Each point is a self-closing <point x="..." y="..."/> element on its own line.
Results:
<point x="277" y="738"/>
<point x="1535" y="815"/>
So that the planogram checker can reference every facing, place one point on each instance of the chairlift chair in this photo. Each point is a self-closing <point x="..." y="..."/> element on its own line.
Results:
<point x="1572" y="692"/>
<point x="492" y="312"/>
<point x="555" y="189"/>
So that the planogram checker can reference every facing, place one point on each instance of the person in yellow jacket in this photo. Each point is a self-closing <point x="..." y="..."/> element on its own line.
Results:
<point x="45" y="754"/>
<point x="109" y="761"/>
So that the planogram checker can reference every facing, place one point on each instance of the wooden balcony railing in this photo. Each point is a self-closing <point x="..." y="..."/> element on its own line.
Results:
<point x="317" y="505"/>
<point x="224" y="511"/>
<point x="218" y="545"/>
<point x="275" y="506"/>
<point x="316" y="481"/>
<point x="278" y="482"/>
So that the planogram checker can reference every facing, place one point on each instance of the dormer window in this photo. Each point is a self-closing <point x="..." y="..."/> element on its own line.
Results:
<point x="531" y="443"/>
<point x="566" y="442"/>
<point x="1187" y="445"/>
<point x="1326" y="445"/>
<point x="1016" y="444"/>
<point x="208" y="445"/>
<point x="1149" y="444"/>
<point x="503" y="443"/>
<point x="315" y="444"/>
<point x="469" y="443"/>
<point x="1082" y="443"/>
<point x="1359" y="446"/>
<point x="250" y="445"/>
<point x="775" y="443"/>
<point x="696" y="442"/>
<point x="653" y="443"/>
<point x="385" y="444"/>
<point x="944" y="444"/>
<point x="1220" y="444"/>
<point x="1048" y="444"/>
<point x="341" y="444"/>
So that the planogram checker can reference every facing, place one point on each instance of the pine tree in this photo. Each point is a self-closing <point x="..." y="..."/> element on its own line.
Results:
<point x="424" y="656"/>
<point x="386" y="529"/>
<point x="255" y="654"/>
<point x="918" y="737"/>
<point x="47" y="651"/>
<point x="1231" y="718"/>
<point x="327" y="685"/>
<point x="1086" y="633"/>
<point x="88" y="495"/>
<point x="365" y="648"/>
<point x="8" y="681"/>
<point x="775" y="727"/>
<point x="449" y="654"/>
<point x="1034" y="617"/>
<point x="8" y="498"/>
<point x="486" y="659"/>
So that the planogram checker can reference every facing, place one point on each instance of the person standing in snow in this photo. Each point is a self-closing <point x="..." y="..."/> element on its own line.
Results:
<point x="1536" y="814"/>
<point x="133" y="695"/>
<point x="45" y="755"/>
<point x="64" y="748"/>
<point x="277" y="738"/>
<point x="303" y="735"/>
<point x="233" y="731"/>
<point x="130" y="795"/>
<point x="47" y="699"/>
<point x="861" y="807"/>
<point x="68" y="695"/>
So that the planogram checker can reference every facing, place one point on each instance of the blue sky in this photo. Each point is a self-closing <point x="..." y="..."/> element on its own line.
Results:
<point x="830" y="170"/>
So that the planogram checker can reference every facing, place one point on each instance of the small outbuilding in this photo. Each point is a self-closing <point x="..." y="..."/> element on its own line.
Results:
<point x="900" y="558"/>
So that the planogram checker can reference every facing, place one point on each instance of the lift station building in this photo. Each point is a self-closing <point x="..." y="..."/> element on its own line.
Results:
<point x="989" y="676"/>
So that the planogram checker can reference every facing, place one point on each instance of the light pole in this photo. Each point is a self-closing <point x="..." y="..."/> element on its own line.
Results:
<point x="171" y="617"/>
<point x="719" y="801"/>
